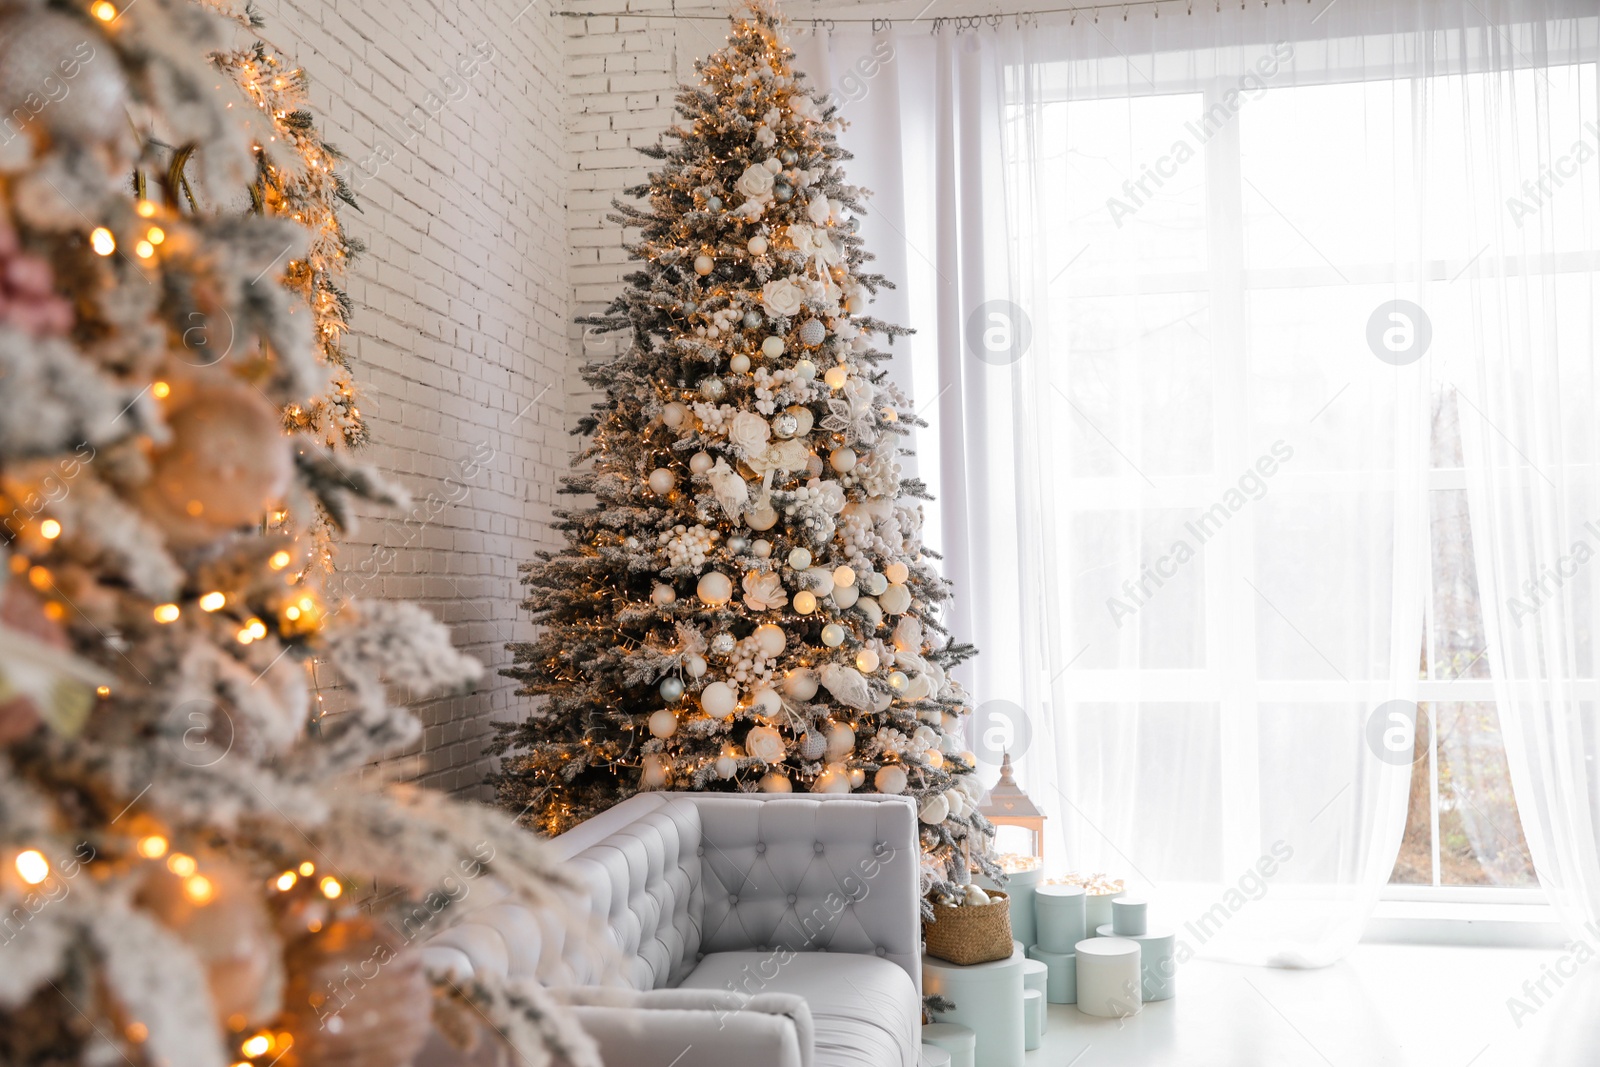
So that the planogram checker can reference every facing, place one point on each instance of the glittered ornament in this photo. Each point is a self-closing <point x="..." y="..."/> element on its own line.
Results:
<point x="812" y="746"/>
<point x="50" y="79"/>
<point x="722" y="644"/>
<point x="785" y="425"/>
<point x="812" y="333"/>
<point x="227" y="463"/>
<point x="713" y="389"/>
<point x="752" y="319"/>
<point x="379" y="1019"/>
<point x="800" y="558"/>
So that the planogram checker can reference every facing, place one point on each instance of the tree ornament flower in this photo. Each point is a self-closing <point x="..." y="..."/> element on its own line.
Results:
<point x="781" y="297"/>
<point x="819" y="210"/>
<point x="763" y="591"/>
<point x="765" y="744"/>
<point x="755" y="183"/>
<point x="749" y="433"/>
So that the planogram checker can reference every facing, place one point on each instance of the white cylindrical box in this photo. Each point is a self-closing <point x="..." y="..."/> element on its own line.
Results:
<point x="1108" y="977"/>
<point x="1032" y="1019"/>
<point x="1036" y="975"/>
<point x="1059" y="917"/>
<point x="1128" y="916"/>
<point x="1158" y="964"/>
<point x="1061" y="980"/>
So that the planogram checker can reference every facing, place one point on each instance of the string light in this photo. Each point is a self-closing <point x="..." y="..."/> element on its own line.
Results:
<point x="50" y="529"/>
<point x="199" y="889"/>
<point x="32" y="867"/>
<point x="104" y="11"/>
<point x="165" y="613"/>
<point x="160" y="390"/>
<point x="330" y="887"/>
<point x="286" y="881"/>
<point x="256" y="1045"/>
<point x="182" y="865"/>
<point x="212" y="601"/>
<point x="101" y="240"/>
<point x="152" y="847"/>
<point x="280" y="559"/>
<point x="307" y="869"/>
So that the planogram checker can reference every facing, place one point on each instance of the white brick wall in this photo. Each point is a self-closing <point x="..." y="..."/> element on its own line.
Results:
<point x="461" y="313"/>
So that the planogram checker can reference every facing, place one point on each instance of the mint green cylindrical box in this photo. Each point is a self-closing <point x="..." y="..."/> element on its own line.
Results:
<point x="1061" y="984"/>
<point x="1059" y="917"/>
<point x="1021" y="886"/>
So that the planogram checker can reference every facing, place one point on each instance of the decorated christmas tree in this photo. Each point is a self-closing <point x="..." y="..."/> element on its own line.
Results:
<point x="186" y="876"/>
<point x="745" y="603"/>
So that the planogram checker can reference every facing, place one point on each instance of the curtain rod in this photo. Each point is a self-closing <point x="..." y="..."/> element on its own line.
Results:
<point x="961" y="21"/>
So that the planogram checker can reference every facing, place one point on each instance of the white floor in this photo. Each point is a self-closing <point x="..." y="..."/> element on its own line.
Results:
<point x="1383" y="1006"/>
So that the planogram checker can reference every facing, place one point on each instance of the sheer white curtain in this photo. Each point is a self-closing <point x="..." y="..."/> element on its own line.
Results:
<point x="1179" y="426"/>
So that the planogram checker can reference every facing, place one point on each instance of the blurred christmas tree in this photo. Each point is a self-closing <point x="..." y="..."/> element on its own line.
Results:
<point x="746" y="604"/>
<point x="187" y="878"/>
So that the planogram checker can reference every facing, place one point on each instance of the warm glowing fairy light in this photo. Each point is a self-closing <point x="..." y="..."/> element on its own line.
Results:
<point x="280" y="559"/>
<point x="50" y="529"/>
<point x="156" y="235"/>
<point x="256" y="1045"/>
<point x="32" y="866"/>
<point x="212" y="601"/>
<point x="286" y="881"/>
<point x="103" y="690"/>
<point x="152" y="847"/>
<point x="256" y="628"/>
<point x="182" y="865"/>
<point x="102" y="242"/>
<point x="103" y="10"/>
<point x="166" y="613"/>
<point x="160" y="390"/>
<point x="331" y="887"/>
<point x="307" y="869"/>
<point x="146" y="208"/>
<point x="199" y="889"/>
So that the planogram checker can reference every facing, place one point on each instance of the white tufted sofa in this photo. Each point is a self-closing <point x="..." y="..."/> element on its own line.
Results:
<point x="755" y="931"/>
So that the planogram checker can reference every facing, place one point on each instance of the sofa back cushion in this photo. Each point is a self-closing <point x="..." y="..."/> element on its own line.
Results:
<point x="807" y="874"/>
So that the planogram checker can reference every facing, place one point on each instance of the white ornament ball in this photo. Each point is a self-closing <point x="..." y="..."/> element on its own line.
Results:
<point x="663" y="723"/>
<point x="897" y="573"/>
<point x="805" y="370"/>
<point x="757" y="245"/>
<point x="833" y="635"/>
<point x="703" y="265"/>
<point x="933" y="758"/>
<point x="845" y="595"/>
<point x="726" y="766"/>
<point x="843" y="576"/>
<point x="739" y="364"/>
<point x="653" y="772"/>
<point x="977" y="898"/>
<point x="800" y="684"/>
<point x="800" y="558"/>
<point x="762" y="516"/>
<point x="773" y="782"/>
<point x="812" y="333"/>
<point x="908" y="635"/>
<point x="674" y="415"/>
<point x="701" y="462"/>
<point x="766" y="703"/>
<point x="919" y="688"/>
<point x="836" y="377"/>
<point x="765" y="744"/>
<point x="662" y="594"/>
<point x="833" y="779"/>
<point x="891" y="780"/>
<point x="895" y="599"/>
<point x="869" y="607"/>
<point x="858" y="777"/>
<point x="714" y="588"/>
<point x="841" y="741"/>
<point x="771" y="638"/>
<point x="694" y="665"/>
<point x="875" y="583"/>
<point x="950" y="744"/>
<point x="950" y="722"/>
<point x="819" y="580"/>
<point x="935" y="810"/>
<point x="866" y="661"/>
<point x="772" y="347"/>
<point x="842" y="460"/>
<point x="662" y="481"/>
<point x="805" y="602"/>
<point x="717" y="700"/>
<point x="957" y="801"/>
<point x="762" y="548"/>
<point x="881" y="700"/>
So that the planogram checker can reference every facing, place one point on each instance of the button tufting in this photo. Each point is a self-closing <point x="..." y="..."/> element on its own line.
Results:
<point x="791" y="898"/>
<point x="880" y="950"/>
<point x="733" y="898"/>
<point x="817" y="847"/>
<point x="701" y="851"/>
<point x="762" y="847"/>
<point x="698" y="956"/>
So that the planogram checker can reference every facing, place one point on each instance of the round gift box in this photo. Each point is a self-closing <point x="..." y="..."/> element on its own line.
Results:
<point x="1097" y="908"/>
<point x="1032" y="1019"/>
<point x="1036" y="975"/>
<point x="1021" y="885"/>
<point x="1158" y="962"/>
<point x="1108" y="977"/>
<point x="1061" y="978"/>
<point x="1128" y="915"/>
<point x="1059" y="917"/>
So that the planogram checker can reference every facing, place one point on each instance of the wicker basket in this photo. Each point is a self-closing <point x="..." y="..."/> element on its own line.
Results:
<point x="971" y="935"/>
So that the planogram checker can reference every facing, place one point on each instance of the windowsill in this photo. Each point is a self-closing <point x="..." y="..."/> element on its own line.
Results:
<point x="1410" y="922"/>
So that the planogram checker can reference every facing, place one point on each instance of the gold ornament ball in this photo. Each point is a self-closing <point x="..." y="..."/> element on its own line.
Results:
<point x="227" y="463"/>
<point x="714" y="589"/>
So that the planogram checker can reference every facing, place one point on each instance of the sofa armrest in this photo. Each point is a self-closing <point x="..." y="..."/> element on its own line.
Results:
<point x="693" y="1027"/>
<point x="835" y="873"/>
